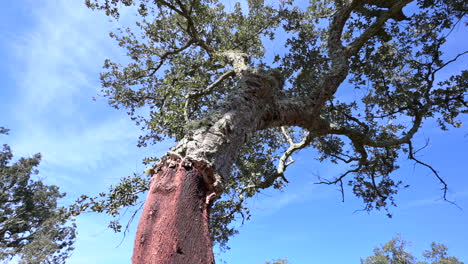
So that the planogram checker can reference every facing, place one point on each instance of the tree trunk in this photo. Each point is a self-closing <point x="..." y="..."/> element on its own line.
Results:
<point x="174" y="226"/>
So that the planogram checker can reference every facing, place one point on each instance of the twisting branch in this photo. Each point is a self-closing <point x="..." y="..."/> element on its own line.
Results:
<point x="336" y="50"/>
<point x="293" y="147"/>
<point x="170" y="6"/>
<point x="337" y="24"/>
<point x="287" y="135"/>
<point x="352" y="118"/>
<point x="237" y="208"/>
<point x="209" y="88"/>
<point x="191" y="29"/>
<point x="283" y="162"/>
<point x="373" y="29"/>
<point x="347" y="161"/>
<point x="190" y="95"/>
<point x="362" y="139"/>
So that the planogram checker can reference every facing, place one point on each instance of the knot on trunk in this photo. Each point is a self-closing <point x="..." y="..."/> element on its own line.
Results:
<point x="263" y="84"/>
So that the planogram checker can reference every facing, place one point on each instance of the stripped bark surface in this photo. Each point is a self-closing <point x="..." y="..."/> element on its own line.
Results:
<point x="174" y="223"/>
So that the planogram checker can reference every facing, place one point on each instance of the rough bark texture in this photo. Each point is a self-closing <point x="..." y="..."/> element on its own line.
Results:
<point x="173" y="228"/>
<point x="246" y="111"/>
<point x="174" y="225"/>
<point x="175" y="217"/>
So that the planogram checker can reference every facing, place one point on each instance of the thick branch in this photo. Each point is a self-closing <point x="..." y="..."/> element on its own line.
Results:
<point x="337" y="25"/>
<point x="373" y="29"/>
<point x="283" y="162"/>
<point x="209" y="88"/>
<point x="293" y="147"/>
<point x="191" y="30"/>
<point x="360" y="138"/>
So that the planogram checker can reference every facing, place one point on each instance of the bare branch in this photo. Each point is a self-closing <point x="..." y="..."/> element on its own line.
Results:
<point x="287" y="135"/>
<point x="339" y="180"/>
<point x="362" y="139"/>
<point x="441" y="180"/>
<point x="448" y="62"/>
<point x="349" y="160"/>
<point x="293" y="147"/>
<point x="127" y="226"/>
<point x="283" y="162"/>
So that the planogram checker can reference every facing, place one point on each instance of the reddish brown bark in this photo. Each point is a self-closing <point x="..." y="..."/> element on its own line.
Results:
<point x="173" y="228"/>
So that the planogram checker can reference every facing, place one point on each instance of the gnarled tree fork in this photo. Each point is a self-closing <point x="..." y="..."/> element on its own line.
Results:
<point x="206" y="75"/>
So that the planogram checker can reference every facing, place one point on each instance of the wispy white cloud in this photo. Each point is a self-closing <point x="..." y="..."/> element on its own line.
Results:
<point x="56" y="73"/>
<point x="91" y="249"/>
<point x="271" y="202"/>
<point x="457" y="198"/>
<point x="56" y="57"/>
<point x="86" y="145"/>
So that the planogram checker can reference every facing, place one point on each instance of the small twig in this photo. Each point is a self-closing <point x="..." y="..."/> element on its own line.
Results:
<point x="342" y="191"/>
<point x="441" y="180"/>
<point x="450" y="61"/>
<point x="129" y="222"/>
<point x="340" y="178"/>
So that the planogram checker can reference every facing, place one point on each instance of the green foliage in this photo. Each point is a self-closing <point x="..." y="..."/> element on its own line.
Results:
<point x="395" y="252"/>
<point x="125" y="194"/>
<point x="32" y="225"/>
<point x="177" y="79"/>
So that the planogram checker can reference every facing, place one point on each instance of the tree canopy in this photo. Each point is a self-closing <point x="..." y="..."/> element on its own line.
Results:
<point x="186" y="76"/>
<point x="33" y="227"/>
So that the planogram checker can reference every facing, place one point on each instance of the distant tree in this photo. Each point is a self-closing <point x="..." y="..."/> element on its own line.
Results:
<point x="278" y="261"/>
<point x="33" y="228"/>
<point x="206" y="75"/>
<point x="395" y="252"/>
<point x="438" y="255"/>
<point x="392" y="252"/>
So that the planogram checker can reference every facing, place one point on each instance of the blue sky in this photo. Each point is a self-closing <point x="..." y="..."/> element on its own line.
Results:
<point x="51" y="53"/>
